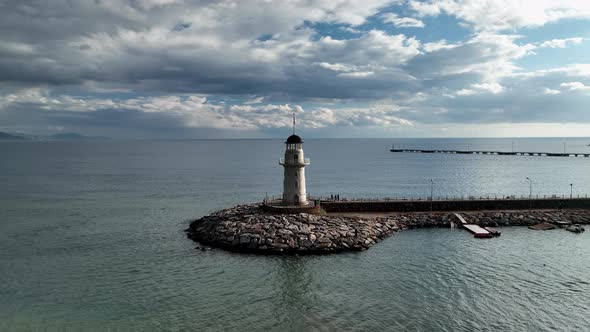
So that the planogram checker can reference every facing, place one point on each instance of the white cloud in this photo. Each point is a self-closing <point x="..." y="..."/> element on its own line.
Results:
<point x="439" y="45"/>
<point x="345" y="70"/>
<point x="492" y="87"/>
<point x="358" y="74"/>
<point x="481" y="88"/>
<point x="548" y="91"/>
<point x="268" y="108"/>
<point x="256" y="100"/>
<point x="16" y="49"/>
<point x="402" y="22"/>
<point x="350" y="29"/>
<point x="373" y="48"/>
<point x="581" y="70"/>
<point x="561" y="43"/>
<point x="378" y="115"/>
<point x="339" y="67"/>
<point x="431" y="8"/>
<point x="575" y="86"/>
<point x="465" y="92"/>
<point x="488" y="55"/>
<point x="194" y="111"/>
<point x="497" y="15"/>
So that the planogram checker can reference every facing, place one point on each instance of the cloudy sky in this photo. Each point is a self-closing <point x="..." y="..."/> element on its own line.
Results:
<point x="371" y="68"/>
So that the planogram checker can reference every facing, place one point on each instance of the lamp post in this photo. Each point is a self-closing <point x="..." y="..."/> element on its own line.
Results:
<point x="571" y="190"/>
<point x="431" y="193"/>
<point x="530" y="193"/>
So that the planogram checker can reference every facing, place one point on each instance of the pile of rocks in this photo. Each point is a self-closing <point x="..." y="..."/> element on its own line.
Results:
<point x="247" y="228"/>
<point x="526" y="218"/>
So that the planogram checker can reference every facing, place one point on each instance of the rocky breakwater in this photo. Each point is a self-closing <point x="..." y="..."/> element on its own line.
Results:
<point x="526" y="218"/>
<point x="247" y="228"/>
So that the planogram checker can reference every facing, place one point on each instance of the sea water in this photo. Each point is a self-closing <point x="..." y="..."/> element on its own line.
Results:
<point x="91" y="238"/>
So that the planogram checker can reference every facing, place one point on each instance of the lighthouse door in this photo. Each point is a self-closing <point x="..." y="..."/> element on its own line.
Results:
<point x="296" y="199"/>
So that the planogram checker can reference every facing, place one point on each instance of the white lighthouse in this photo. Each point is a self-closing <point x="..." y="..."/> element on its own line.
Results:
<point x="294" y="164"/>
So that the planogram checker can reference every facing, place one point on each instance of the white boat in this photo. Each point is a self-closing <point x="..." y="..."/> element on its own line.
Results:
<point x="575" y="228"/>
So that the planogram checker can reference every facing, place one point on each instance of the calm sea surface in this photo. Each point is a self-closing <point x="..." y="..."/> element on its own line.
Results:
<point x="91" y="238"/>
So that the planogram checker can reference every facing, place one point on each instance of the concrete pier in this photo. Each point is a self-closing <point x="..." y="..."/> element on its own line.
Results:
<point x="499" y="153"/>
<point x="454" y="204"/>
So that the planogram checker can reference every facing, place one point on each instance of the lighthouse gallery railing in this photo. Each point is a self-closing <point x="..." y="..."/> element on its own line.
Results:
<point x="293" y="162"/>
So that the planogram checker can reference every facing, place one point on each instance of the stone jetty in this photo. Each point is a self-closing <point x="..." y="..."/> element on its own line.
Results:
<point x="248" y="228"/>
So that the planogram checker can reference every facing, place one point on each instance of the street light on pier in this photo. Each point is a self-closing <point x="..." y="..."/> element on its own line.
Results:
<point x="431" y="193"/>
<point x="530" y="193"/>
<point x="571" y="190"/>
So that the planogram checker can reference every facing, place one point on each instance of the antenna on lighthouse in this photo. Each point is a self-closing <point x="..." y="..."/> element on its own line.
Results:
<point x="293" y="123"/>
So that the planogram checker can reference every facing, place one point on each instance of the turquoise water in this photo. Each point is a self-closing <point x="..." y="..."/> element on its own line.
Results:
<point x="91" y="239"/>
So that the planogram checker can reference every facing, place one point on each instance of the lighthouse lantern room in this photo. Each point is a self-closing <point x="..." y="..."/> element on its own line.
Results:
<point x="294" y="165"/>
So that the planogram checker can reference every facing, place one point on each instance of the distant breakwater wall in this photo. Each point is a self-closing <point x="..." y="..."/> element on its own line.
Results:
<point x="455" y="205"/>
<point x="249" y="228"/>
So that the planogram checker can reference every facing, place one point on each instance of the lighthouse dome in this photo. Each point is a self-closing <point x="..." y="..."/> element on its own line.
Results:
<point x="294" y="139"/>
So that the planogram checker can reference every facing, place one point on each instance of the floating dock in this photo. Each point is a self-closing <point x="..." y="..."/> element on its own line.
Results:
<point x="477" y="231"/>
<point x="499" y="153"/>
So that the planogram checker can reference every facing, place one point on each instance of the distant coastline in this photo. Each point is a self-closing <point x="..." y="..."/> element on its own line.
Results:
<point x="4" y="136"/>
<point x="11" y="137"/>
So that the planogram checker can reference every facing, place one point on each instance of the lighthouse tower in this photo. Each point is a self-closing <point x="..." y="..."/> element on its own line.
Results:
<point x="294" y="164"/>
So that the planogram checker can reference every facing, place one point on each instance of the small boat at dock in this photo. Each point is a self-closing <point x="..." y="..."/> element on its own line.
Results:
<point x="542" y="226"/>
<point x="562" y="223"/>
<point x="493" y="231"/>
<point x="577" y="228"/>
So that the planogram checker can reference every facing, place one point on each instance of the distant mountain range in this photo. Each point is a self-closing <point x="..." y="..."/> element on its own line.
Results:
<point x="60" y="137"/>
<point x="75" y="136"/>
<point x="10" y="137"/>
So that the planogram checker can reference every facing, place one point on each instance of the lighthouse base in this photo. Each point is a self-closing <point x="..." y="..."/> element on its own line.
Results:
<point x="279" y="207"/>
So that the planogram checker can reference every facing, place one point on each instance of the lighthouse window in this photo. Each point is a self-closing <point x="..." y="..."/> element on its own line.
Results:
<point x="296" y="184"/>
<point x="295" y="174"/>
<point x="295" y="156"/>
